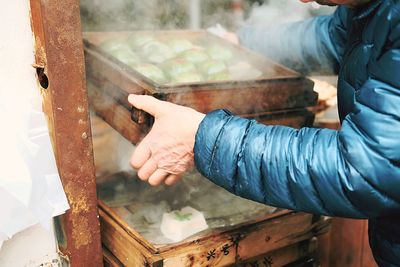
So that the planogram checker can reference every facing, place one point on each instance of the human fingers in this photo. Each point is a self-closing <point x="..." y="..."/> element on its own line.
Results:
<point x="148" y="168"/>
<point x="158" y="177"/>
<point x="172" y="179"/>
<point x="149" y="104"/>
<point x="141" y="154"/>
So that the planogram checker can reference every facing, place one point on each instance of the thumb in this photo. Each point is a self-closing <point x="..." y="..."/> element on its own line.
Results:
<point x="147" y="103"/>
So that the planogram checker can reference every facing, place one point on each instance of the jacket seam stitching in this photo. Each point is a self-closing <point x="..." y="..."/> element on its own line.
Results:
<point x="240" y="155"/>
<point x="311" y="173"/>
<point x="215" y="146"/>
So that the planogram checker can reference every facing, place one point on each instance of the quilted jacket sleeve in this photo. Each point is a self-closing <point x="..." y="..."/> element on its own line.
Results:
<point x="354" y="172"/>
<point x="304" y="46"/>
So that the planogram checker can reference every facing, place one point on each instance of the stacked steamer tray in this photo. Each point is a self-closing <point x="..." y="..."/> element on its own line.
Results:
<point x="240" y="232"/>
<point x="251" y="86"/>
<point x="233" y="78"/>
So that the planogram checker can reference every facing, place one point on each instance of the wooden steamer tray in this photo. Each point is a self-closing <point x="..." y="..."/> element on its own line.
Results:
<point x="278" y="92"/>
<point x="249" y="232"/>
<point x="280" y="238"/>
<point x="119" y="116"/>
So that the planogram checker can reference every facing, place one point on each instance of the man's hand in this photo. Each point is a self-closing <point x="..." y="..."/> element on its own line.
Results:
<point x="167" y="151"/>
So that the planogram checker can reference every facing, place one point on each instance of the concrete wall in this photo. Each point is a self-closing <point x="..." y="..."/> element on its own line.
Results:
<point x="30" y="247"/>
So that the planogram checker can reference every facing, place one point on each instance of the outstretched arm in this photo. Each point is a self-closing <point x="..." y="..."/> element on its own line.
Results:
<point x="311" y="46"/>
<point x="354" y="172"/>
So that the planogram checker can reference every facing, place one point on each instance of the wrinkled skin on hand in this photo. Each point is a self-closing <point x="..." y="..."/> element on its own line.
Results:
<point x="167" y="151"/>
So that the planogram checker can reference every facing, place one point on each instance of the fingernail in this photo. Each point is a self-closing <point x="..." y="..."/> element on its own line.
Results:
<point x="131" y="98"/>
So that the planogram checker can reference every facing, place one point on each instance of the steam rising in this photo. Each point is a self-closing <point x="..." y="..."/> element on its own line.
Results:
<point x="112" y="152"/>
<point x="157" y="14"/>
<point x="130" y="15"/>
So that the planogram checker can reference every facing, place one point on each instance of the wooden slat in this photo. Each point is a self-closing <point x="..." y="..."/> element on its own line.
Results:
<point x="250" y="99"/>
<point x="367" y="259"/>
<point x="115" y="115"/>
<point x="119" y="117"/>
<point x="110" y="260"/>
<point x="111" y="215"/>
<point x="284" y="256"/>
<point x="242" y="244"/>
<point x="128" y="250"/>
<point x="324" y="249"/>
<point x="213" y="248"/>
<point x="346" y="242"/>
<point x="60" y="63"/>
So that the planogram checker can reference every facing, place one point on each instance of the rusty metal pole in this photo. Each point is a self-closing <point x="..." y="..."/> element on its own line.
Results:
<point x="61" y="73"/>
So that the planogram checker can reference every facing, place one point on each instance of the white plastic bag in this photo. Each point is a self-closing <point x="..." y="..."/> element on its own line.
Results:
<point x="30" y="187"/>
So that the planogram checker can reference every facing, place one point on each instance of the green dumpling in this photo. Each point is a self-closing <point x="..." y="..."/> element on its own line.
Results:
<point x="135" y="41"/>
<point x="125" y="55"/>
<point x="111" y="45"/>
<point x="156" y="52"/>
<point x="188" y="77"/>
<point x="159" y="57"/>
<point x="120" y="50"/>
<point x="177" y="66"/>
<point x="220" y="76"/>
<point x="195" y="56"/>
<point x="218" y="52"/>
<point x="152" y="72"/>
<point x="179" y="45"/>
<point x="210" y="67"/>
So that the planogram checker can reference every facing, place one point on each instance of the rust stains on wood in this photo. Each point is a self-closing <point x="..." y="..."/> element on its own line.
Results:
<point x="59" y="51"/>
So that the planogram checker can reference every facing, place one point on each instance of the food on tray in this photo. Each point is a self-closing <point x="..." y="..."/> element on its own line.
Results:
<point x="188" y="77"/>
<point x="152" y="72"/>
<point x="195" y="55"/>
<point x="179" y="45"/>
<point x="177" y="59"/>
<point x="219" y="52"/>
<point x="159" y="57"/>
<point x="220" y="76"/>
<point x="136" y="41"/>
<point x="125" y="55"/>
<point x="156" y="52"/>
<point x="210" y="67"/>
<point x="120" y="50"/>
<point x="152" y="47"/>
<point x="180" y="224"/>
<point x="113" y="44"/>
<point x="244" y="71"/>
<point x="177" y="66"/>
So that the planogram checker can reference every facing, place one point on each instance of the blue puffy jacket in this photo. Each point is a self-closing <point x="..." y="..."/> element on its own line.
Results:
<point x="354" y="172"/>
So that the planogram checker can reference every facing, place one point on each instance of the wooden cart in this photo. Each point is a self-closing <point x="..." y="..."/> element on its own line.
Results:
<point x="60" y="67"/>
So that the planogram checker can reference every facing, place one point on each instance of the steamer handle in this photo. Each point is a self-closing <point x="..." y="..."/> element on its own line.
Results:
<point x="141" y="117"/>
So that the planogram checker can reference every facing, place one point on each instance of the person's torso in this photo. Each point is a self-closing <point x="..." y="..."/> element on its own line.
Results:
<point x="367" y="40"/>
